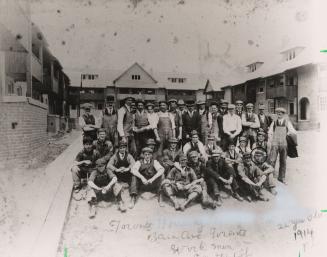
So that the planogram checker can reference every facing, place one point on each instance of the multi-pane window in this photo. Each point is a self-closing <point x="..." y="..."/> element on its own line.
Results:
<point x="136" y="77"/>
<point x="177" y="80"/>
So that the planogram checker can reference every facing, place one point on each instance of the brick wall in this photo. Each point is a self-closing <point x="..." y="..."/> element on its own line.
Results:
<point x="30" y="133"/>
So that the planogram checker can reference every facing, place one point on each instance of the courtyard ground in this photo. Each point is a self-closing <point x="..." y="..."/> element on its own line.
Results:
<point x="290" y="224"/>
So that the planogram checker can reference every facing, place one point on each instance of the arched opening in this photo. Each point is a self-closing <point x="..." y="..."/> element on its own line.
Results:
<point x="304" y="108"/>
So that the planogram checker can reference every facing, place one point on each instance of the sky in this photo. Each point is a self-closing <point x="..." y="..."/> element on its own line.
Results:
<point x="191" y="36"/>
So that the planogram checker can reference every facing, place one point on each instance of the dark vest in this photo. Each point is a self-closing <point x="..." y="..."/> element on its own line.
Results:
<point x="89" y="119"/>
<point x="102" y="147"/>
<point x="102" y="179"/>
<point x="147" y="169"/>
<point x="121" y="162"/>
<point x="128" y="122"/>
<point x="141" y="120"/>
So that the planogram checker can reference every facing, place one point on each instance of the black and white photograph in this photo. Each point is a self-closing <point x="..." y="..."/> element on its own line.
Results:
<point x="163" y="128"/>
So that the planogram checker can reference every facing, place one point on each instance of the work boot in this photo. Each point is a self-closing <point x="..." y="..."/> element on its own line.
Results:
<point x="160" y="200"/>
<point x="93" y="211"/>
<point x="176" y="205"/>
<point x="282" y="181"/>
<point x="238" y="197"/>
<point x="182" y="207"/>
<point x="77" y="194"/>
<point x="218" y="201"/>
<point x="121" y="206"/>
<point x="248" y="198"/>
<point x="261" y="197"/>
<point x="132" y="202"/>
<point x="273" y="191"/>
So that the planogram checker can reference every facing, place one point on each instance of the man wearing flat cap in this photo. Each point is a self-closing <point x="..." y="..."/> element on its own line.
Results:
<point x="277" y="133"/>
<point x="182" y="181"/>
<point x="219" y="176"/>
<point x="165" y="126"/>
<point x="262" y="141"/>
<point x="223" y="110"/>
<point x="206" y="121"/>
<point x="125" y="125"/>
<point x="109" y="123"/>
<point x="88" y="123"/>
<point x="148" y="175"/>
<point x="250" y="123"/>
<point x="191" y="121"/>
<point x="170" y="155"/>
<point x="121" y="163"/>
<point x="232" y="127"/>
<point x="181" y="106"/>
<point x="264" y="119"/>
<point x="195" y="145"/>
<point x="239" y="108"/>
<point x="178" y="118"/>
<point x="215" y="128"/>
<point x="141" y="127"/>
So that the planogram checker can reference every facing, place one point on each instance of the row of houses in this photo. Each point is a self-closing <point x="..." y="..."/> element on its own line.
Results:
<point x="289" y="79"/>
<point x="33" y="85"/>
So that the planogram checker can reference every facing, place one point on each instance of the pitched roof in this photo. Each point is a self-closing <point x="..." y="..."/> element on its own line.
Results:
<point x="139" y="66"/>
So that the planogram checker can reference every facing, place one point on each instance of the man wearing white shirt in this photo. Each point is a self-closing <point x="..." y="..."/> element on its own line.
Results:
<point x="125" y="125"/>
<point x="232" y="127"/>
<point x="148" y="175"/>
<point x="277" y="133"/>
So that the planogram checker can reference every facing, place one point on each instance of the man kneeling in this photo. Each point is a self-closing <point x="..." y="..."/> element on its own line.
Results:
<point x="148" y="175"/>
<point x="182" y="181"/>
<point x="102" y="182"/>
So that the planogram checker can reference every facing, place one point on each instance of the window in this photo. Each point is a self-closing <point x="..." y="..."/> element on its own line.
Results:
<point x="175" y="80"/>
<point x="123" y="90"/>
<point x="73" y="106"/>
<point x="323" y="103"/>
<point x="281" y="81"/>
<point x="100" y="106"/>
<point x="136" y="91"/>
<point x="11" y="88"/>
<point x="271" y="83"/>
<point x="19" y="91"/>
<point x="290" y="55"/>
<point x="90" y="76"/>
<point x="291" y="109"/>
<point x="261" y="90"/>
<point x="150" y="91"/>
<point x="110" y="98"/>
<point x="136" y="77"/>
<point x="271" y="107"/>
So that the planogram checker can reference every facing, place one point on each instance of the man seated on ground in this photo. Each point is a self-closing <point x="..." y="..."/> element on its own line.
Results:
<point x="260" y="157"/>
<point x="103" y="146"/>
<point x="199" y="169"/>
<point x="243" y="146"/>
<point x="211" y="146"/>
<point x="170" y="155"/>
<point x="120" y="165"/>
<point x="219" y="176"/>
<point x="148" y="175"/>
<point x="151" y="143"/>
<point x="251" y="179"/>
<point x="232" y="157"/>
<point x="182" y="181"/>
<point x="103" y="182"/>
<point x="84" y="164"/>
<point x="195" y="145"/>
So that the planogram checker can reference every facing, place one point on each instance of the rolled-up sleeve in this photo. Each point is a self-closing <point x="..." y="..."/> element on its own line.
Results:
<point x="135" y="168"/>
<point x="120" y="126"/>
<point x="158" y="167"/>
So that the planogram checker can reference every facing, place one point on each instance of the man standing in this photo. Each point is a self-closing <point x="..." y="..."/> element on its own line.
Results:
<point x="278" y="131"/>
<point x="250" y="123"/>
<point x="183" y="181"/>
<point x="239" y="108"/>
<point x="87" y="123"/>
<point x="109" y="123"/>
<point x="215" y="129"/>
<point x="206" y="121"/>
<point x="125" y="125"/>
<point x="103" y="146"/>
<point x="178" y="118"/>
<point x="165" y="127"/>
<point x="232" y="127"/>
<point x="191" y="121"/>
<point x="264" y="119"/>
<point x="148" y="175"/>
<point x="141" y="127"/>
<point x="222" y="112"/>
<point x="181" y="106"/>
<point x="220" y="175"/>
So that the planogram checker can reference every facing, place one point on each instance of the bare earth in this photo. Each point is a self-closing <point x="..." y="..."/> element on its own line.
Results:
<point x="291" y="224"/>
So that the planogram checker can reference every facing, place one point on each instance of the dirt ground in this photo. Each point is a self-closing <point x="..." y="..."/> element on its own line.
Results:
<point x="290" y="224"/>
<point x="19" y="188"/>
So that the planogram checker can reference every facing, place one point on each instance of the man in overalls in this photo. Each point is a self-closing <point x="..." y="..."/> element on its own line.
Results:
<point x="141" y="127"/>
<point x="165" y="127"/>
<point x="277" y="133"/>
<point x="148" y="175"/>
<point x="206" y="121"/>
<point x="109" y="123"/>
<point x="250" y="123"/>
<point x="125" y="125"/>
<point x="87" y="123"/>
<point x="178" y="118"/>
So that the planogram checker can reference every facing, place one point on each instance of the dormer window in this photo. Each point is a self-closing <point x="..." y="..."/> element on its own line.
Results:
<point x="136" y="77"/>
<point x="291" y="53"/>
<point x="177" y="80"/>
<point x="90" y="76"/>
<point x="254" y="66"/>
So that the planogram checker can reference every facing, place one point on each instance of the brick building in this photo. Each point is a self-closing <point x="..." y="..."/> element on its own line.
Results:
<point x="32" y="84"/>
<point x="99" y="86"/>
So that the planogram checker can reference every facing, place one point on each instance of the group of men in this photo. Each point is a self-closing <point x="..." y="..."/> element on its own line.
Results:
<point x="175" y="150"/>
